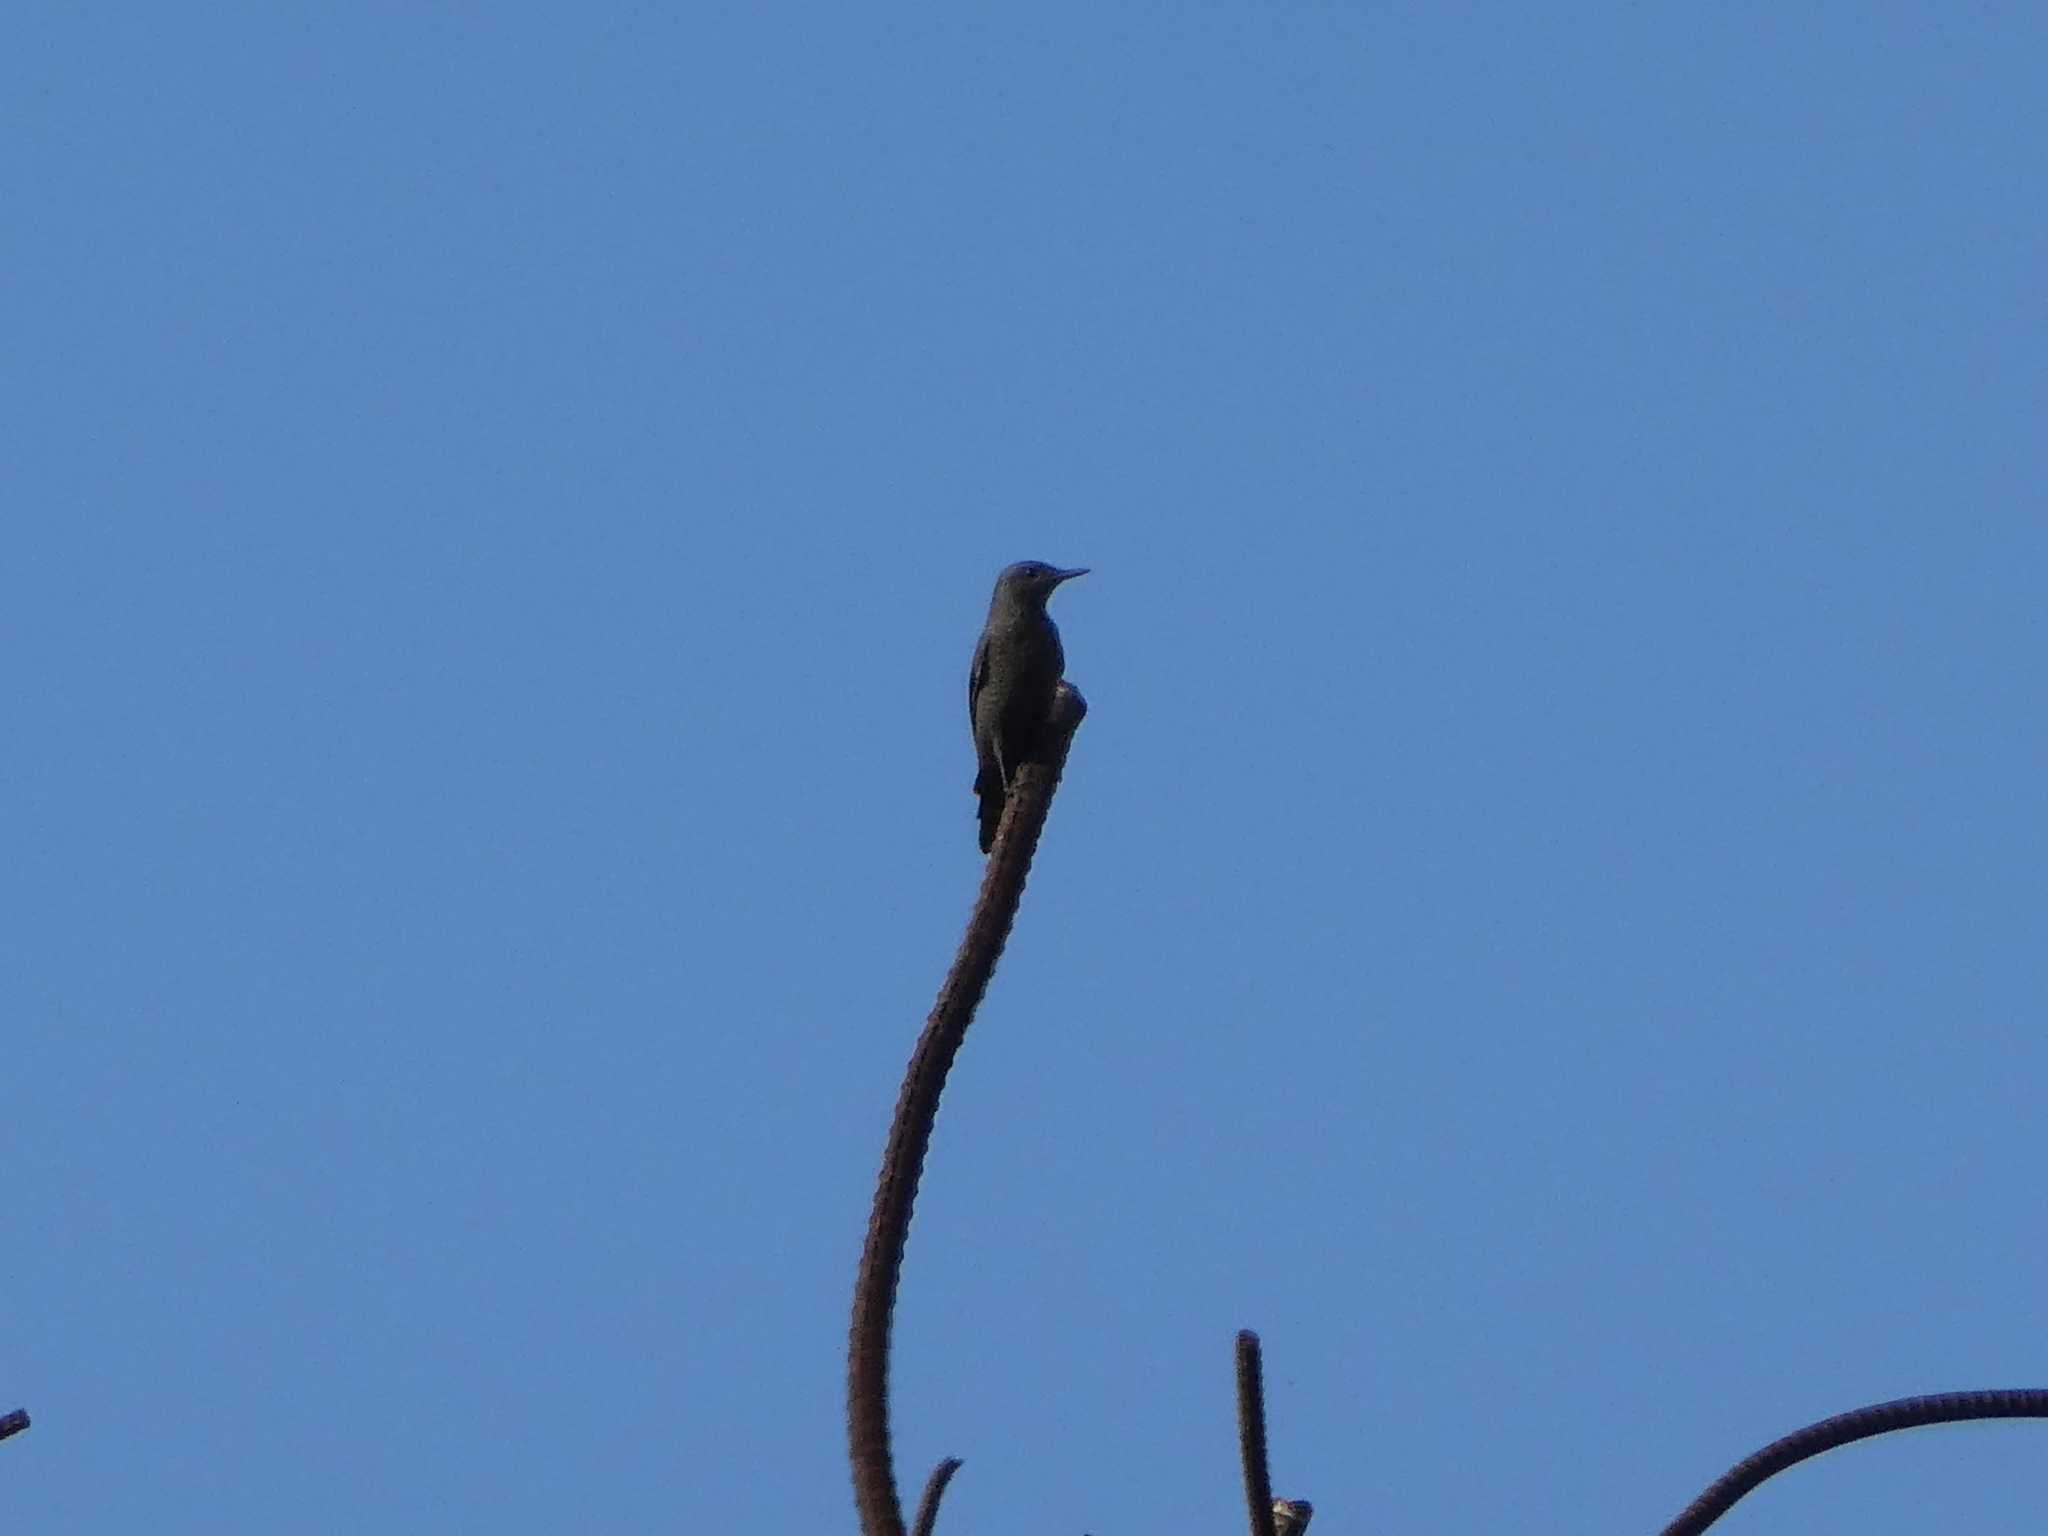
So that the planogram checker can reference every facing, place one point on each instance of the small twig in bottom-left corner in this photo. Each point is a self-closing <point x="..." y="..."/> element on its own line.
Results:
<point x="934" y="1490"/>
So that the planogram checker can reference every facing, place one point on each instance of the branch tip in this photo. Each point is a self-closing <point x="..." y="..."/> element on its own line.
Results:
<point x="934" y="1490"/>
<point x="1251" y="1433"/>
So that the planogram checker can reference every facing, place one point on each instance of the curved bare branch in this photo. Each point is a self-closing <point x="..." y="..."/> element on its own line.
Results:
<point x="1845" y="1428"/>
<point x="934" y="1490"/>
<point x="881" y="1259"/>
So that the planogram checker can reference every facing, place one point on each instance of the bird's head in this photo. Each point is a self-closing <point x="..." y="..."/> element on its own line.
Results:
<point x="1032" y="581"/>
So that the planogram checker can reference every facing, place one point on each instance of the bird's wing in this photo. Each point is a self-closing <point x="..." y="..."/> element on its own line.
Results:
<point x="976" y="676"/>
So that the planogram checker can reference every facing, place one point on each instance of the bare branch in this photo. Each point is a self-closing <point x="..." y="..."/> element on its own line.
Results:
<point x="934" y="1490"/>
<point x="881" y="1259"/>
<point x="1251" y="1433"/>
<point x="1845" y="1428"/>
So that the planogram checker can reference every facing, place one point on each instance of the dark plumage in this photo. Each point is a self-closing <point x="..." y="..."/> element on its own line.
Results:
<point x="1016" y="671"/>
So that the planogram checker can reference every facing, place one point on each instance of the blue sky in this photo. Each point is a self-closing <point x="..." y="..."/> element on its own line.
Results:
<point x="1545" y="916"/>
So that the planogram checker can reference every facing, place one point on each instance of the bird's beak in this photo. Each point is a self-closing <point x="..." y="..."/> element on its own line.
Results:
<point x="1079" y="570"/>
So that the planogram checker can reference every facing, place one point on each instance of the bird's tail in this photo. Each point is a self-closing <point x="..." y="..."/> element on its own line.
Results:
<point x="989" y="785"/>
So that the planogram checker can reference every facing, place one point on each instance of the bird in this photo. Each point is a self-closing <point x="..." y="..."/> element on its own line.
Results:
<point x="1010" y="688"/>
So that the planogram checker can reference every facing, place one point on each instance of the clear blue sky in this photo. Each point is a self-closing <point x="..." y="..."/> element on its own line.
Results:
<point x="1545" y="920"/>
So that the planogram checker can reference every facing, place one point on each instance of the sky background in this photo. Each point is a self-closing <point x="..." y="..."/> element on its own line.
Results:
<point x="1544" y="920"/>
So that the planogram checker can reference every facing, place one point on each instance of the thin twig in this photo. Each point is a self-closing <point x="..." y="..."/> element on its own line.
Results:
<point x="13" y="1423"/>
<point x="1251" y="1433"/>
<point x="881" y="1259"/>
<point x="1844" y="1428"/>
<point x="934" y="1490"/>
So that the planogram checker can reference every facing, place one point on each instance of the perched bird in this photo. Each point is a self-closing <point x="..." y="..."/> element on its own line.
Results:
<point x="1010" y="689"/>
